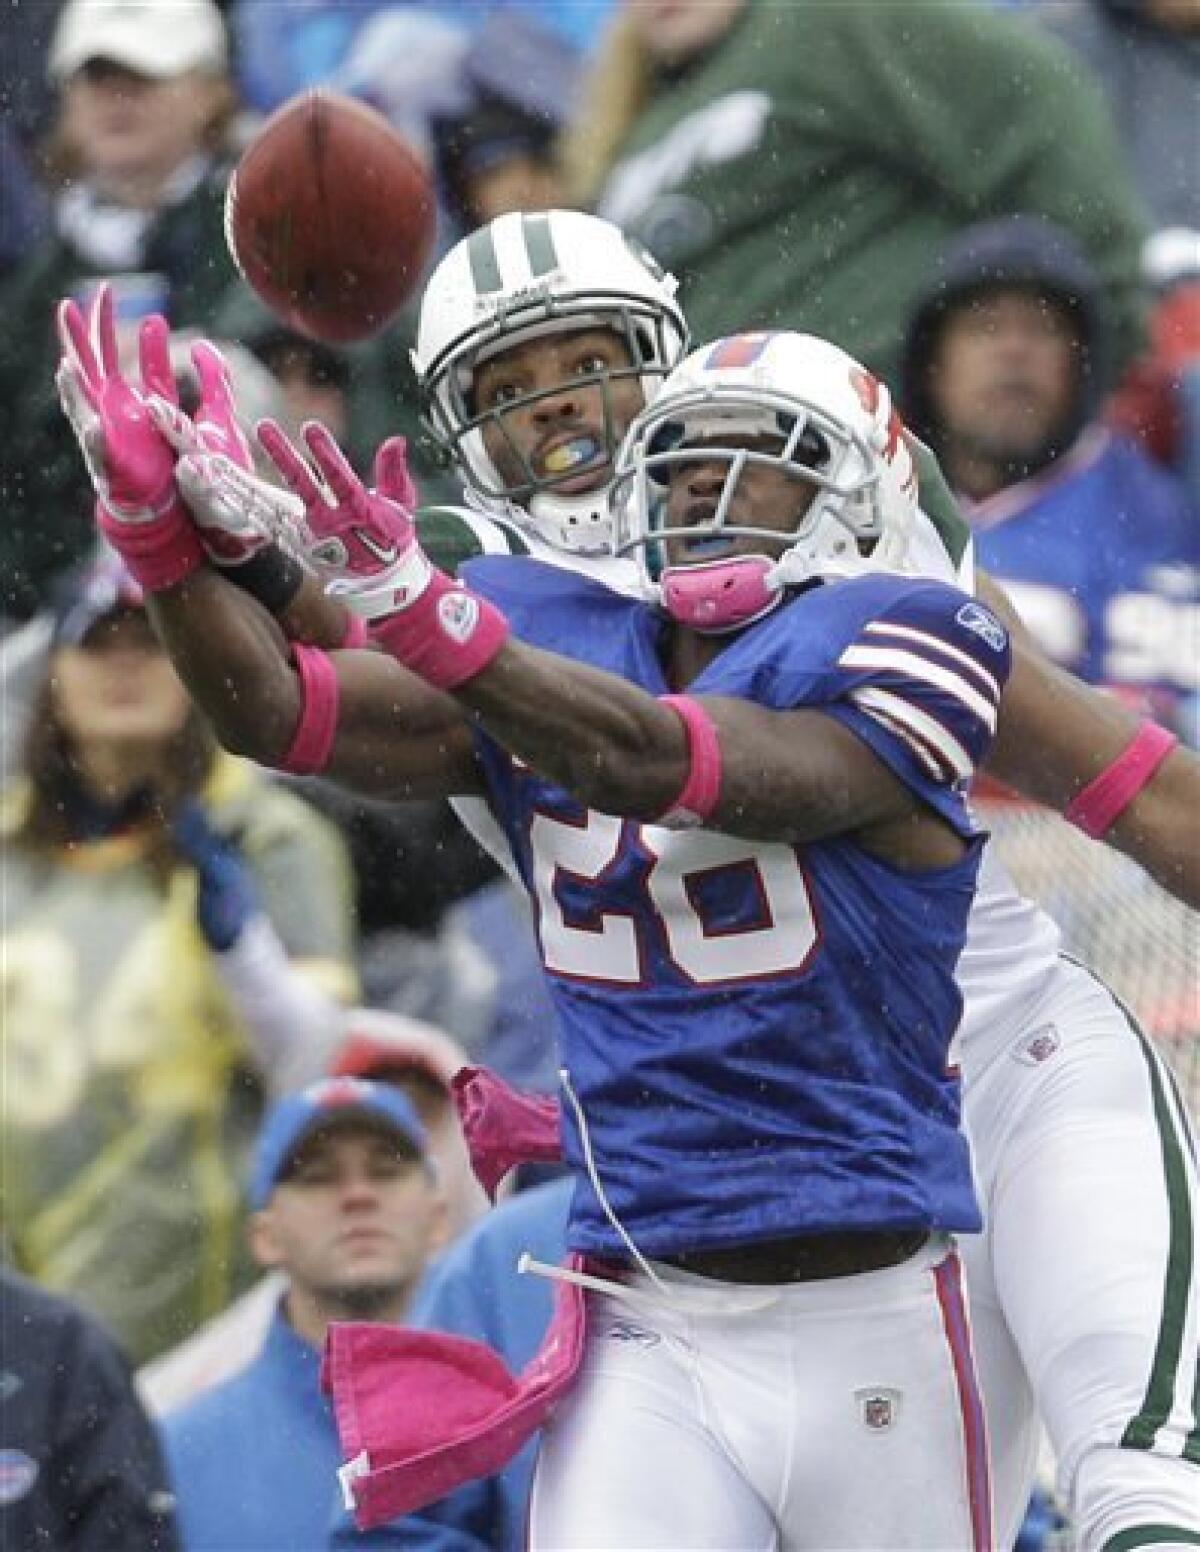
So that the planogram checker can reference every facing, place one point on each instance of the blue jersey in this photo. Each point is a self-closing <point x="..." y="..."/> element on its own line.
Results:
<point x="1101" y="555"/>
<point x="757" y="1033"/>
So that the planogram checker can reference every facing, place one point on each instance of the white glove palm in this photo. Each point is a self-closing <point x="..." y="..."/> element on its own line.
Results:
<point x="236" y="512"/>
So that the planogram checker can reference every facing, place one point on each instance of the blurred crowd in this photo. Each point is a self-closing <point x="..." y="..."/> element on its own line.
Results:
<point x="234" y="1005"/>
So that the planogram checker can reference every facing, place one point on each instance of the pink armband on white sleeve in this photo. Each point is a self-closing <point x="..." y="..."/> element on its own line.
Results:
<point x="312" y="742"/>
<point x="1102" y="801"/>
<point x="357" y="634"/>
<point x="158" y="551"/>
<point x="702" y="789"/>
<point x="447" y="635"/>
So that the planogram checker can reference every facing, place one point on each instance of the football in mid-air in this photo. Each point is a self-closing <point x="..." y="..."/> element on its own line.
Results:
<point x="330" y="216"/>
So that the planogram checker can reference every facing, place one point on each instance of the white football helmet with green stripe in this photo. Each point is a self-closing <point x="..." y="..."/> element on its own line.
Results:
<point x="520" y="277"/>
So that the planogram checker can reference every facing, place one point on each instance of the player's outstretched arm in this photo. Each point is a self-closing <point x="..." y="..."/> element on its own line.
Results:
<point x="884" y="752"/>
<point x="1056" y="736"/>
<point x="791" y="776"/>
<point x="614" y="746"/>
<point x="352" y="715"/>
<point x="751" y="770"/>
<point x="368" y="723"/>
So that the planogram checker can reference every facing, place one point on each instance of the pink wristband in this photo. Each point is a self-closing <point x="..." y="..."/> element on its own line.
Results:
<point x="357" y="634"/>
<point x="157" y="553"/>
<point x="447" y="636"/>
<point x="1102" y="801"/>
<point x="702" y="789"/>
<point x="312" y="742"/>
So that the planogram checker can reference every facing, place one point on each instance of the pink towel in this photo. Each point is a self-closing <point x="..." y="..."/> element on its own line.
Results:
<point x="503" y="1127"/>
<point x="428" y="1411"/>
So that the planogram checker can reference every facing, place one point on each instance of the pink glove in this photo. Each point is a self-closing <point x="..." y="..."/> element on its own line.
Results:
<point x="233" y="509"/>
<point x="214" y="425"/>
<point x="364" y="543"/>
<point x="131" y="466"/>
<point x="503" y="1127"/>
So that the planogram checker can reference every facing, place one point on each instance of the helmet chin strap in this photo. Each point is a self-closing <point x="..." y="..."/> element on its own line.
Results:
<point x="718" y="596"/>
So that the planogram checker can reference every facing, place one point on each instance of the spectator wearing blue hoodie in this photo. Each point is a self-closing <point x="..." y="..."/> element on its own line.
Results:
<point x="347" y="1204"/>
<point x="1005" y="374"/>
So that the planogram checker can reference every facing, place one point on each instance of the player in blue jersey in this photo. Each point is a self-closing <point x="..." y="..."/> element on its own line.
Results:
<point x="741" y="817"/>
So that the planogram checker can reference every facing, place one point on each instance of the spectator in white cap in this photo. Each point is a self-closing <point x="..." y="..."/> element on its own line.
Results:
<point x="346" y="1204"/>
<point x="156" y="41"/>
<point x="138" y="162"/>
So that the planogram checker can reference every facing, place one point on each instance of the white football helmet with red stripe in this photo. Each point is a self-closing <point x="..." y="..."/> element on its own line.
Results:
<point x="835" y="430"/>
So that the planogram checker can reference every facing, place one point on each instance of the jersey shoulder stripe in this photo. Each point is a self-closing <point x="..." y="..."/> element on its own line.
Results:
<point x="937" y="751"/>
<point x="451" y="536"/>
<point x="888" y="633"/>
<point x="894" y="659"/>
<point x="930" y="669"/>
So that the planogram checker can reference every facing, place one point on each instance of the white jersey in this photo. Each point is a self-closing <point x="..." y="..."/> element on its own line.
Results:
<point x="1012" y="946"/>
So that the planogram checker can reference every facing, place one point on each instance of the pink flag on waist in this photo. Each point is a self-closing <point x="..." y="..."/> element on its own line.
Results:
<point x="421" y="1412"/>
<point x="502" y="1127"/>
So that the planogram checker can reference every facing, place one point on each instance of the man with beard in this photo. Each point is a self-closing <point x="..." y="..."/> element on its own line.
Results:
<point x="346" y="1202"/>
<point x="1005" y="374"/>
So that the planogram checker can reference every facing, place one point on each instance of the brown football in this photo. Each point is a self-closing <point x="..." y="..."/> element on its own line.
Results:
<point x="330" y="216"/>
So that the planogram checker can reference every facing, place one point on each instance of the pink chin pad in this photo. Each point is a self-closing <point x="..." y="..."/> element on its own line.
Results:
<point x="717" y="595"/>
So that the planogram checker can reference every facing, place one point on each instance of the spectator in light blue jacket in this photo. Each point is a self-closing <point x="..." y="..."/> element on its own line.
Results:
<point x="345" y="1202"/>
<point x="476" y="1291"/>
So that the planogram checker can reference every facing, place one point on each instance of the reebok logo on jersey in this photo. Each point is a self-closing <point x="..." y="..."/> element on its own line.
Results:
<point x="458" y="615"/>
<point x="984" y="624"/>
<point x="878" y="1408"/>
<point x="623" y="1331"/>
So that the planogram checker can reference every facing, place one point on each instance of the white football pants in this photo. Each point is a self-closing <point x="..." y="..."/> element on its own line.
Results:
<point x="1086" y="1169"/>
<point x="835" y="1414"/>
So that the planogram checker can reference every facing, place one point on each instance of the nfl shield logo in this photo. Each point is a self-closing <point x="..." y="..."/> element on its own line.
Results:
<point x="1039" y="1046"/>
<point x="878" y="1408"/>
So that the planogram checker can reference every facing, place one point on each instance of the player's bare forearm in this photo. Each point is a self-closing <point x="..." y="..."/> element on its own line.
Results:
<point x="785" y="775"/>
<point x="607" y="742"/>
<point x="231" y="655"/>
<point x="1057" y="734"/>
<point x="1161" y="827"/>
<point x="394" y="737"/>
<point x="312" y="617"/>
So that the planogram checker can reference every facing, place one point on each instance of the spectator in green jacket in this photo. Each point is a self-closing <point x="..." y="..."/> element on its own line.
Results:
<point x="140" y="162"/>
<point x="796" y="163"/>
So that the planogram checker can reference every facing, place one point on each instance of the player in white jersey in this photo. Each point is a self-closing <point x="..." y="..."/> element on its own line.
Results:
<point x="1085" y="1278"/>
